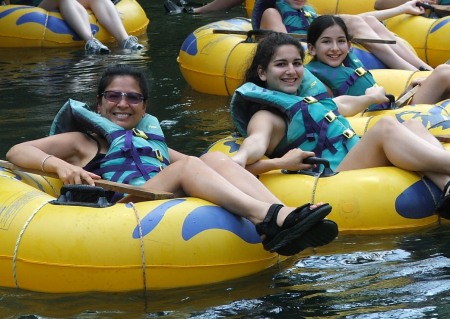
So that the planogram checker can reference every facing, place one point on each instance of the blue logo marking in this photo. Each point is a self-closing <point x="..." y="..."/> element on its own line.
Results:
<point x="54" y="24"/>
<point x="9" y="11"/>
<point x="152" y="219"/>
<point x="418" y="200"/>
<point x="214" y="217"/>
<point x="190" y="45"/>
<point x="200" y="219"/>
<point x="234" y="147"/>
<point x="439" y="25"/>
<point x="444" y="103"/>
<point x="431" y="120"/>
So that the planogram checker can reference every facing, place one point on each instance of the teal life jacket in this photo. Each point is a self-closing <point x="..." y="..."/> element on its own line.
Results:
<point x="296" y="21"/>
<point x="437" y="15"/>
<point x="312" y="125"/>
<point x="134" y="156"/>
<point x="312" y="86"/>
<point x="442" y="3"/>
<point x="351" y="78"/>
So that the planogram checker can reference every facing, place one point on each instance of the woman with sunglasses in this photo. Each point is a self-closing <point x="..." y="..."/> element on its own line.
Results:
<point x="80" y="157"/>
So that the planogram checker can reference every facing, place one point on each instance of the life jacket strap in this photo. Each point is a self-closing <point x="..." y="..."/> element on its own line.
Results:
<point x="359" y="72"/>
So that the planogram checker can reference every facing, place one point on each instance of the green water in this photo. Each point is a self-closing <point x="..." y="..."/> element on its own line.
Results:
<point x="378" y="276"/>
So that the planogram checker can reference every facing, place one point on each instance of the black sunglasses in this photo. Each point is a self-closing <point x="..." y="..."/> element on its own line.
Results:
<point x="116" y="97"/>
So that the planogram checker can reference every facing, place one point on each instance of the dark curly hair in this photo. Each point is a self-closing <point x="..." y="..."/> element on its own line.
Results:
<point x="265" y="50"/>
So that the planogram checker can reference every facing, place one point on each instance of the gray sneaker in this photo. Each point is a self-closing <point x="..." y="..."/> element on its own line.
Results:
<point x="132" y="43"/>
<point x="95" y="46"/>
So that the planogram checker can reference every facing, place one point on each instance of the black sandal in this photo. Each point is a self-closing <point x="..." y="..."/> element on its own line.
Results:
<point x="322" y="233"/>
<point x="443" y="207"/>
<point x="294" y="226"/>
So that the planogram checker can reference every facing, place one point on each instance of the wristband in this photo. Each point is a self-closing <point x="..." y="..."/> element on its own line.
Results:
<point x="43" y="162"/>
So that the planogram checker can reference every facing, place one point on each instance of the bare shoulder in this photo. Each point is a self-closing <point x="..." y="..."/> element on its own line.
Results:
<point x="74" y="147"/>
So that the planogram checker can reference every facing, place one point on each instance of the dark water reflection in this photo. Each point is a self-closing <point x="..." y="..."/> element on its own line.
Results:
<point x="379" y="276"/>
<point x="34" y="83"/>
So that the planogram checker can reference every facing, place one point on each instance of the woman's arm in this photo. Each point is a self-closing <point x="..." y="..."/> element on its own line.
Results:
<point x="408" y="7"/>
<point x="260" y="131"/>
<point x="349" y="105"/>
<point x="387" y="4"/>
<point x="63" y="154"/>
<point x="265" y="131"/>
<point x="291" y="161"/>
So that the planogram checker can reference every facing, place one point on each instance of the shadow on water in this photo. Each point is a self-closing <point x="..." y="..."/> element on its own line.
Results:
<point x="378" y="276"/>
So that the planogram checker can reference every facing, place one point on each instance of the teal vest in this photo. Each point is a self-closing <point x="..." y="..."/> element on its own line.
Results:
<point x="312" y="125"/>
<point x="296" y="21"/>
<point x="349" y="79"/>
<point x="312" y="86"/>
<point x="134" y="156"/>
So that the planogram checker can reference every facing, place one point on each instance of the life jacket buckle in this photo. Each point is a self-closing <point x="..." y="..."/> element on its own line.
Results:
<point x="348" y="133"/>
<point x="139" y="133"/>
<point x="360" y="71"/>
<point x="309" y="99"/>
<point x="159" y="155"/>
<point x="330" y="116"/>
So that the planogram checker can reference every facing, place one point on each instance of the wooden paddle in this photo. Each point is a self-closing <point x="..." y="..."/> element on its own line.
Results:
<point x="261" y="33"/>
<point x="146" y="193"/>
<point x="405" y="97"/>
<point x="443" y="138"/>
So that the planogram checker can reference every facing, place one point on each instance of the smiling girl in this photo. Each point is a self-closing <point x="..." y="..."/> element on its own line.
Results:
<point x="295" y="16"/>
<point x="287" y="127"/>
<point x="334" y="64"/>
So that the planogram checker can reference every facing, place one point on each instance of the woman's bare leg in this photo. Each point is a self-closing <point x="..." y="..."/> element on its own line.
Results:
<point x="419" y="130"/>
<point x="239" y="177"/>
<point x="399" y="47"/>
<point x="107" y="15"/>
<point x="193" y="177"/>
<point x="271" y="20"/>
<point x="218" y="5"/>
<point x="435" y="88"/>
<point x="359" y="28"/>
<point x="74" y="14"/>
<point x="389" y="143"/>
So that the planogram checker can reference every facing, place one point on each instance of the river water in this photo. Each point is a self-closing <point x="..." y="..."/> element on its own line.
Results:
<point x="376" y="276"/>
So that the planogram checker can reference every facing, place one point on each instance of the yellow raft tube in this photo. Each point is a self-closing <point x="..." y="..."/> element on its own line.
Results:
<point x="429" y="37"/>
<point x="26" y="26"/>
<point x="329" y="6"/>
<point x="149" y="245"/>
<point x="214" y="63"/>
<point x="366" y="201"/>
